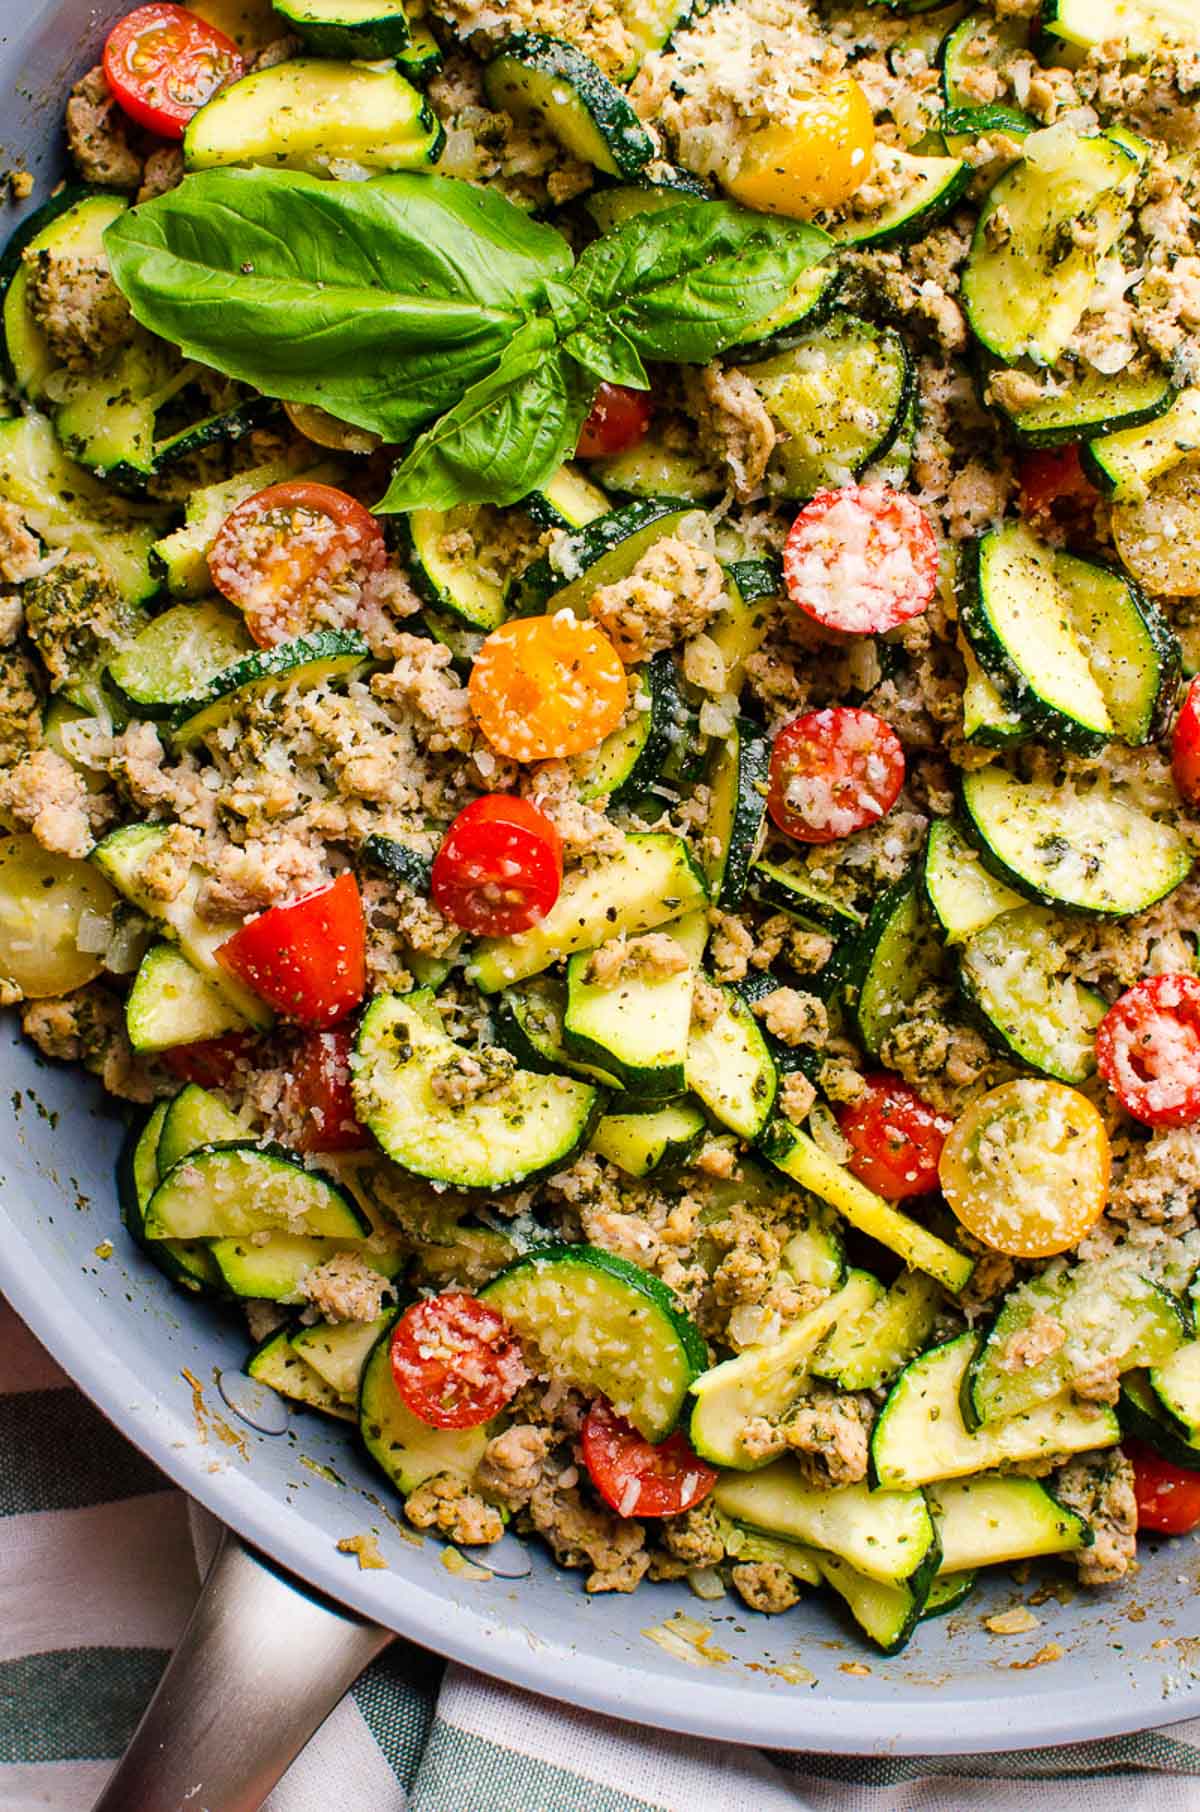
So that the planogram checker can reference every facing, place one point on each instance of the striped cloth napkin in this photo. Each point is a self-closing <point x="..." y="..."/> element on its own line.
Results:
<point x="99" y="1570"/>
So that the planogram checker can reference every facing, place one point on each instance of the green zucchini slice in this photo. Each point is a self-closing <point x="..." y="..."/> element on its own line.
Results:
<point x="366" y="29"/>
<point x="787" y="887"/>
<point x="1143" y="1415"/>
<point x="446" y="560"/>
<point x="1088" y="852"/>
<point x="548" y="79"/>
<point x="338" y="1351"/>
<point x="1125" y="464"/>
<point x="568" y="500"/>
<point x="177" y="655"/>
<point x="194" y="1117"/>
<point x="634" y="755"/>
<point x="663" y="1138"/>
<point x="988" y="1521"/>
<point x="601" y="552"/>
<point x="69" y="225"/>
<point x="1131" y="648"/>
<point x="608" y="1325"/>
<point x="1087" y="404"/>
<point x="516" y="1130"/>
<point x="316" y="115"/>
<point x="898" y="954"/>
<point x="636" y="1028"/>
<point x="170" y="1003"/>
<point x="737" y="811"/>
<point x="273" y="1269"/>
<point x="188" y="1263"/>
<point x="1139" y="26"/>
<point x="275" y="1362"/>
<point x="528" y="1021"/>
<point x="987" y="720"/>
<point x="867" y="1353"/>
<point x="308" y="661"/>
<point x="1175" y="1381"/>
<point x="240" y="1189"/>
<point x="730" y="1067"/>
<point x="652" y="468"/>
<point x="927" y="188"/>
<point x="407" y="1450"/>
<point x="1014" y="973"/>
<point x="888" y="1535"/>
<point x="964" y="896"/>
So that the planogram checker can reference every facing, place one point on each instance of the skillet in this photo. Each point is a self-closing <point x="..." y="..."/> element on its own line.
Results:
<point x="155" y="1364"/>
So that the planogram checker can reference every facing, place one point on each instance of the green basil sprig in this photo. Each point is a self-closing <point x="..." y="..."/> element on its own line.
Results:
<point x="413" y="302"/>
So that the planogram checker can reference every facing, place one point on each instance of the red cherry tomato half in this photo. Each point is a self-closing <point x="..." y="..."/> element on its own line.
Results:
<point x="1148" y="1050"/>
<point x="212" y="1062"/>
<point x="319" y="1094"/>
<point x="455" y="1360"/>
<point x="163" y="62"/>
<point x="895" y="1138"/>
<point x="636" y="1478"/>
<point x="499" y="869"/>
<point x="861" y="559"/>
<point x="619" y="418"/>
<point x="1185" y="746"/>
<point x="1168" y="1496"/>
<point x="293" y="556"/>
<point x="832" y="773"/>
<point x="307" y="960"/>
<point x="1054" y="491"/>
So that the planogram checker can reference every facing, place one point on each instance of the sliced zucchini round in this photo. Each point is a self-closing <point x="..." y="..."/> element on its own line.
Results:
<point x="411" y="867"/>
<point x="569" y="500"/>
<point x="1125" y="463"/>
<point x="338" y="1351"/>
<point x="406" y="1449"/>
<point x="737" y="810"/>
<point x="987" y="1522"/>
<point x="194" y="1117"/>
<point x="897" y="954"/>
<point x="528" y="1021"/>
<point x="1132" y="650"/>
<point x="311" y="114"/>
<point x="600" y="553"/>
<point x="651" y="469"/>
<point x="1175" y="1381"/>
<point x="928" y="187"/>
<point x="987" y="720"/>
<point x="530" y="1125"/>
<point x="188" y="1263"/>
<point x="1012" y="973"/>
<point x="867" y="1353"/>
<point x="730" y="1067"/>
<point x="964" y="896"/>
<point x="171" y="1003"/>
<point x="273" y="1269"/>
<point x="1143" y="1416"/>
<point x="309" y="660"/>
<point x="276" y="1363"/>
<point x="633" y="756"/>
<point x="1158" y="535"/>
<point x="636" y="1028"/>
<point x="240" y="1188"/>
<point x="365" y="29"/>
<point x="549" y="79"/>
<point x="1085" y="851"/>
<point x="787" y="887"/>
<point x="662" y="1139"/>
<point x="609" y="1326"/>
<point x="1092" y="405"/>
<point x="612" y="206"/>
<point x="887" y="1535"/>
<point x="980" y="41"/>
<point x="69" y="225"/>
<point x="442" y="552"/>
<point x="177" y="656"/>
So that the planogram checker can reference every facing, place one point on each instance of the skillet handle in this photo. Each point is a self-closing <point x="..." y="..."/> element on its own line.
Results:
<point x="260" y="1665"/>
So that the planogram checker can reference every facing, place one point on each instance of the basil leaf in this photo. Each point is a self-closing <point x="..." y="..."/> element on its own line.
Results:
<point x="608" y="354"/>
<point x="688" y="282"/>
<point x="382" y="301"/>
<point x="506" y="437"/>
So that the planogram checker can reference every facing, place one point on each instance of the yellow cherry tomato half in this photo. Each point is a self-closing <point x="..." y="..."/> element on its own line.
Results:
<point x="818" y="160"/>
<point x="1026" y="1168"/>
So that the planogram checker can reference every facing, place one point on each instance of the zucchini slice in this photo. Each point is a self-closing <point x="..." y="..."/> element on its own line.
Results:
<point x="338" y="1351"/>
<point x="838" y="398"/>
<point x="987" y="720"/>
<point x="1108" y="1314"/>
<point x="730" y="1067"/>
<point x="1085" y="851"/>
<point x="814" y="1253"/>
<point x="1090" y="404"/>
<point x="1026" y="282"/>
<point x="603" y="551"/>
<point x="987" y="1522"/>
<point x="568" y="500"/>
<point x="1143" y="1415"/>
<point x="170" y="1003"/>
<point x="177" y="656"/>
<point x="663" y="1138"/>
<point x="636" y="1028"/>
<point x="443" y="557"/>
<point x="308" y="661"/>
<point x="737" y="811"/>
<point x="978" y="42"/>
<point x="740" y="626"/>
<point x="1125" y="464"/>
<point x="1158" y="536"/>
<point x="868" y="1352"/>
<point x="528" y="1021"/>
<point x="275" y="1362"/>
<point x="1137" y="25"/>
<point x="527" y="1125"/>
<point x="1012" y="972"/>
<point x="1018" y="621"/>
<point x="273" y="1269"/>
<point x="651" y="468"/>
<point x="633" y="756"/>
<point x="947" y="1592"/>
<point x="365" y="29"/>
<point x="611" y="206"/>
<point x="421" y="58"/>
<point x="804" y="308"/>
<point x="1175" y="1381"/>
<point x="964" y="896"/>
<point x="920" y="1436"/>
<point x="887" y="1613"/>
<point x="122" y="856"/>
<point x="649" y="881"/>
<point x="608" y="1325"/>
<point x="194" y="1117"/>
<point x="763" y="1383"/>
<point x="1131" y="648"/>
<point x="241" y="1188"/>
<point x="802" y="1159"/>
<point x="69" y="225"/>
<point x="532" y="75"/>
<point x="407" y="1450"/>
<point x="188" y="1263"/>
<point x="787" y="887"/>
<point x="888" y="1535"/>
<point x="897" y="955"/>
<point x="927" y="188"/>
<point x="309" y="114"/>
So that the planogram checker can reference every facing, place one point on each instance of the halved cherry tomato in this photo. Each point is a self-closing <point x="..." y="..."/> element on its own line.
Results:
<point x="212" y="1062"/>
<point x="499" y="869"/>
<point x="543" y="687"/>
<point x="1185" y="746"/>
<point x="817" y="159"/>
<point x="1054" y="490"/>
<point x="861" y="559"/>
<point x="1148" y="1050"/>
<point x="1168" y="1496"/>
<point x="619" y="418"/>
<point x="895" y="1138"/>
<point x="294" y="555"/>
<point x="832" y="773"/>
<point x="319" y="1093"/>
<point x="455" y="1360"/>
<point x="163" y="62"/>
<point x="307" y="960"/>
<point x="635" y="1478"/>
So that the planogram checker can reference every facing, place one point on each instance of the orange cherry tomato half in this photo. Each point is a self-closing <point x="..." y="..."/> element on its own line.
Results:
<point x="455" y="1360"/>
<point x="619" y="419"/>
<point x="895" y="1138"/>
<point x="1185" y="746"/>
<point x="163" y="63"/>
<point x="319" y="1094"/>
<point x="833" y="772"/>
<point x="636" y="1478"/>
<point x="861" y="559"/>
<point x="1168" y="1496"/>
<point x="307" y="960"/>
<point x="293" y="556"/>
<point x="499" y="869"/>
<point x="1148" y="1050"/>
<point x="543" y="687"/>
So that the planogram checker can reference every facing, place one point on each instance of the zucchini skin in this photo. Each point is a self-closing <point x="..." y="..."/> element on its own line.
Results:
<point x="540" y="583"/>
<point x="386" y="36"/>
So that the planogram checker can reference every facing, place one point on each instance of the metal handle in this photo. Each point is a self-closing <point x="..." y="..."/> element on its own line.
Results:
<point x="260" y="1665"/>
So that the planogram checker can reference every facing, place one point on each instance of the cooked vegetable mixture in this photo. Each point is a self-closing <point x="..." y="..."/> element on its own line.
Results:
<point x="596" y="730"/>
